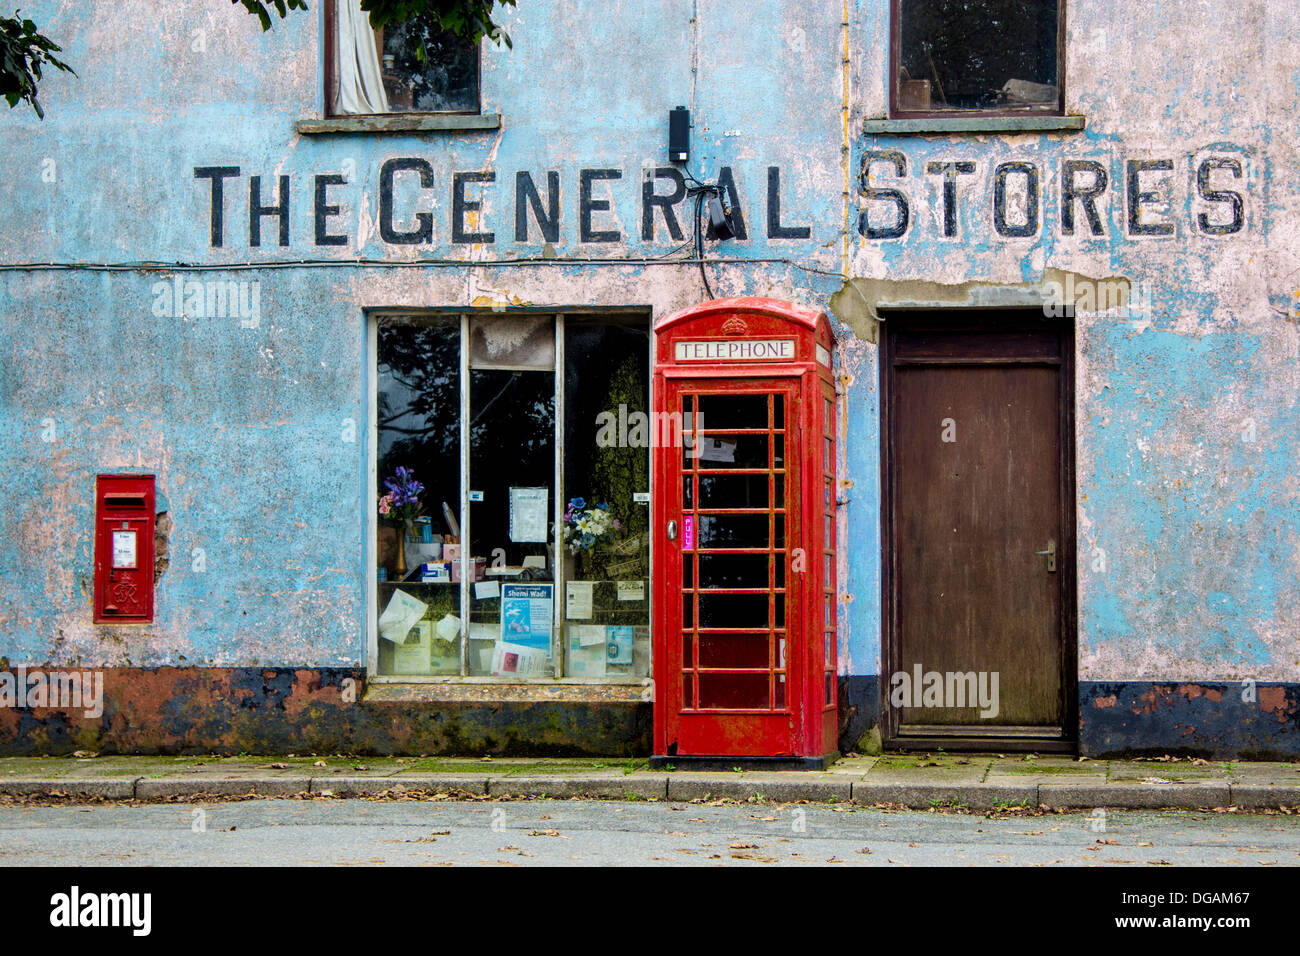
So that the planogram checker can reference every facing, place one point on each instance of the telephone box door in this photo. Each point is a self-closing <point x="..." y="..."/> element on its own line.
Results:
<point x="731" y="681"/>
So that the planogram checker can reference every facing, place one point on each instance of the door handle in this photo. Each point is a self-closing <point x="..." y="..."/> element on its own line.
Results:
<point x="672" y="531"/>
<point x="1051" y="556"/>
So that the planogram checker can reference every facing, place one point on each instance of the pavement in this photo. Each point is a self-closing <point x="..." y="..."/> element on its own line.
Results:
<point x="925" y="781"/>
<point x="662" y="833"/>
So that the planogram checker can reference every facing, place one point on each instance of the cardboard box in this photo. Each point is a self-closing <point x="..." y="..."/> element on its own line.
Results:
<point x="478" y="569"/>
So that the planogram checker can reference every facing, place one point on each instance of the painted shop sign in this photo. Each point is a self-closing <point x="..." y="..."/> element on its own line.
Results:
<point x="410" y="190"/>
<point x="1135" y="198"/>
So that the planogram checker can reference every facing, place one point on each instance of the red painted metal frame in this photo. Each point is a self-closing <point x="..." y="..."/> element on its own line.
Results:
<point x="807" y="725"/>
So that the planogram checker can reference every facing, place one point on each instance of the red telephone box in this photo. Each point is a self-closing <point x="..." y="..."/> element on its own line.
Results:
<point x="744" y="514"/>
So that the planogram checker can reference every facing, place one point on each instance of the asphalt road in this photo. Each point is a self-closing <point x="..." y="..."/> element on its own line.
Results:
<point x="561" y="833"/>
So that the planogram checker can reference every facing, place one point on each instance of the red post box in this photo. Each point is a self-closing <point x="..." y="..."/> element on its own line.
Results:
<point x="744" y="518"/>
<point x="124" y="531"/>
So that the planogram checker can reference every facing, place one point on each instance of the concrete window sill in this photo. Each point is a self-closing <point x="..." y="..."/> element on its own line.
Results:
<point x="1071" y="123"/>
<point x="401" y="123"/>
<point x="471" y="691"/>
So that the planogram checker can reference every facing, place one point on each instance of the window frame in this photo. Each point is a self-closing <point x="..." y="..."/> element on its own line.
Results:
<point x="330" y="52"/>
<point x="895" y="51"/>
<point x="370" y="525"/>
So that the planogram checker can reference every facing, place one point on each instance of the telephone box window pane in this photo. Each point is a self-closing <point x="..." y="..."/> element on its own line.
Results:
<point x="418" y="429"/>
<point x="733" y="411"/>
<point x="607" y="462"/>
<point x="733" y="531"/>
<point x="688" y="691"/>
<point x="732" y="451"/>
<point x="734" y="691"/>
<point x="780" y="692"/>
<point x="778" y="411"/>
<point x="734" y="650"/>
<point x="733" y="491"/>
<point x="512" y="450"/>
<point x="688" y="651"/>
<point x="990" y="55"/>
<point x="733" y="571"/>
<point x="733" y="610"/>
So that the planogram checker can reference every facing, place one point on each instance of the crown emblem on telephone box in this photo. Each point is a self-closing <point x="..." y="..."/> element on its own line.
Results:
<point x="735" y="326"/>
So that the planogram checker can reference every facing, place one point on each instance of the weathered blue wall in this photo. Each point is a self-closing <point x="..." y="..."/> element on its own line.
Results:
<point x="1187" y="421"/>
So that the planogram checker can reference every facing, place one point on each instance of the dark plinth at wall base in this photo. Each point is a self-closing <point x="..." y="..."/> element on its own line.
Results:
<point x="283" y="710"/>
<point x="743" y="763"/>
<point x="1216" y="720"/>
<point x="859" y="709"/>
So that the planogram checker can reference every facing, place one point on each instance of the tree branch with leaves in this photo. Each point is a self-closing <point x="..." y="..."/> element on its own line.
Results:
<point x="24" y="50"/>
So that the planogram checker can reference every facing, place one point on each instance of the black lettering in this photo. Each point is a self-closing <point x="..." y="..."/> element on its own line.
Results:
<point x="257" y="212"/>
<point x="218" y="174"/>
<point x="324" y="211"/>
<point x="727" y="181"/>
<point x="1220" y="196"/>
<point x="423" y="232"/>
<point x="548" y="220"/>
<point x="870" y="193"/>
<point x="1087" y="195"/>
<point x="1136" y="197"/>
<point x="461" y="205"/>
<point x="774" y="228"/>
<point x="650" y="200"/>
<point x="1030" y="225"/>
<point x="587" y="205"/>
<point x="950" y="173"/>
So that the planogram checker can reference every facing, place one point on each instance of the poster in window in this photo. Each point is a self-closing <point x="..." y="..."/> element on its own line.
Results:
<point x="525" y="642"/>
<point x="528" y="515"/>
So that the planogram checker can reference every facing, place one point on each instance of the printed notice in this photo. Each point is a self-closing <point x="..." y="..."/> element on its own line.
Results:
<point x="487" y="589"/>
<point x="631" y="590"/>
<point x="400" y="616"/>
<point x="578" y="600"/>
<point x="124" y="549"/>
<point x="586" y="635"/>
<point x="528" y="514"/>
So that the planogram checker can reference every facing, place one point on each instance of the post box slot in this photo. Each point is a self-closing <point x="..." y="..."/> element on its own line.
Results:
<point x="124" y="501"/>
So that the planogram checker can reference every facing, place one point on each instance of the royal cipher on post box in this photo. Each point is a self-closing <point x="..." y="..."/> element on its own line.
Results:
<point x="744" y="518"/>
<point x="124" y="549"/>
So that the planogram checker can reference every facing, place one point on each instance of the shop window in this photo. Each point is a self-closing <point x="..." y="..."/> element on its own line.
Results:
<point x="977" y="57"/>
<point x="412" y="67"/>
<point x="537" y="565"/>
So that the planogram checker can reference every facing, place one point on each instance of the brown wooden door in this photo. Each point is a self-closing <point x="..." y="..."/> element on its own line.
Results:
<point x="978" y="485"/>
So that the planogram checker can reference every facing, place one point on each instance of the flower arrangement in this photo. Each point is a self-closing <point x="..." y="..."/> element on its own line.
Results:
<point x="584" y="527"/>
<point x="401" y="505"/>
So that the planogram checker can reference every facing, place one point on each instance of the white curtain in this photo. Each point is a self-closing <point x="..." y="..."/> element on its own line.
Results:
<point x="360" y="79"/>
